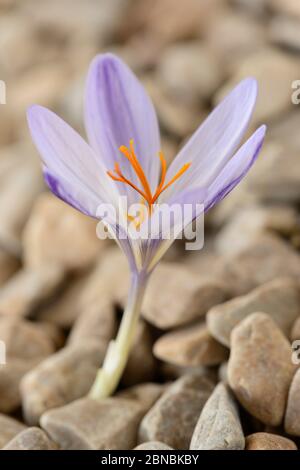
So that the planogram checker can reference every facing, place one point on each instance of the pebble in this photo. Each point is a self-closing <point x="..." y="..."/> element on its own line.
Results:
<point x="24" y="339"/>
<point x="218" y="427"/>
<point x="189" y="72"/>
<point x="146" y="394"/>
<point x="11" y="375"/>
<point x="190" y="346"/>
<point x="275" y="71"/>
<point x="9" y="428"/>
<point x="153" y="445"/>
<point x="268" y="441"/>
<point x="61" y="378"/>
<point x="273" y="180"/>
<point x="194" y="296"/>
<point x="98" y="321"/>
<point x="284" y="30"/>
<point x="31" y="439"/>
<point x="262" y="385"/>
<point x="86" y="424"/>
<point x="141" y="365"/>
<point x="295" y="333"/>
<point x="265" y="259"/>
<point x="28" y="289"/>
<point x="174" y="416"/>
<point x="292" y="414"/>
<point x="280" y="299"/>
<point x="253" y="221"/>
<point x="52" y="236"/>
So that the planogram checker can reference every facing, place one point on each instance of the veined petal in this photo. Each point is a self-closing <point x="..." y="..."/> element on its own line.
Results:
<point x="67" y="156"/>
<point x="118" y="109"/>
<point x="235" y="169"/>
<point x="72" y="195"/>
<point x="216" y="139"/>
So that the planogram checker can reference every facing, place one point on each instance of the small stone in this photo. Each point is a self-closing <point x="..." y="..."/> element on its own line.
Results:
<point x="31" y="439"/>
<point x="284" y="30"/>
<point x="61" y="378"/>
<point x="233" y="36"/>
<point x="268" y="441"/>
<point x="173" y="417"/>
<point x="183" y="298"/>
<point x="265" y="259"/>
<point x="280" y="299"/>
<point x="219" y="426"/>
<point x="65" y="308"/>
<point x="190" y="346"/>
<point x="271" y="179"/>
<point x="9" y="428"/>
<point x="253" y="221"/>
<point x="97" y="322"/>
<point x="52" y="236"/>
<point x="288" y="7"/>
<point x="86" y="424"/>
<point x="141" y="365"/>
<point x="260" y="369"/>
<point x="146" y="394"/>
<point x="25" y="339"/>
<point x="292" y="414"/>
<point x="295" y="333"/>
<point x="153" y="445"/>
<point x="189" y="71"/>
<point x="8" y="265"/>
<point x="275" y="71"/>
<point x="10" y="378"/>
<point x="28" y="289"/>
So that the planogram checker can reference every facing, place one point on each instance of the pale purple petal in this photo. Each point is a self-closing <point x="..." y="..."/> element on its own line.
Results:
<point x="67" y="156"/>
<point x="235" y="169"/>
<point x="118" y="109"/>
<point x="72" y="195"/>
<point x="216" y="139"/>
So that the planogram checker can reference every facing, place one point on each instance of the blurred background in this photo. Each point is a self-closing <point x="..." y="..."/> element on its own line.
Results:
<point x="188" y="55"/>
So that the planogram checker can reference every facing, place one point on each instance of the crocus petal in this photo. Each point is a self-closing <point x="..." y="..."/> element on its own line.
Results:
<point x="235" y="169"/>
<point x="117" y="109"/>
<point x="67" y="156"/>
<point x="72" y="195"/>
<point x="216" y="139"/>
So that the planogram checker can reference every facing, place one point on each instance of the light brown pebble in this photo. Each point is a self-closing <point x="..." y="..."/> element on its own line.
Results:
<point x="265" y="259"/>
<point x="153" y="445"/>
<point x="51" y="236"/>
<point x="60" y="379"/>
<point x="175" y="296"/>
<point x="31" y="439"/>
<point x="141" y="365"/>
<point x="86" y="424"/>
<point x="218" y="427"/>
<point x="24" y="339"/>
<point x="260" y="369"/>
<point x="280" y="299"/>
<point x="146" y="394"/>
<point x="173" y="417"/>
<point x="189" y="347"/>
<point x="97" y="321"/>
<point x="9" y="428"/>
<point x="292" y="414"/>
<point x="28" y="289"/>
<point x="268" y="441"/>
<point x="11" y="375"/>
<point x="295" y="333"/>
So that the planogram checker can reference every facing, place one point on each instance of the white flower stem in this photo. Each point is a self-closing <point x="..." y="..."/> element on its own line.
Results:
<point x="115" y="361"/>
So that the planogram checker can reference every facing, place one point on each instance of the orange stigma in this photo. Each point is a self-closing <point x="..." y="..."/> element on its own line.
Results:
<point x="145" y="190"/>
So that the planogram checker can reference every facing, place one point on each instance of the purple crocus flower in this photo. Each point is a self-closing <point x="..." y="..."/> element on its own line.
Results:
<point x="121" y="159"/>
